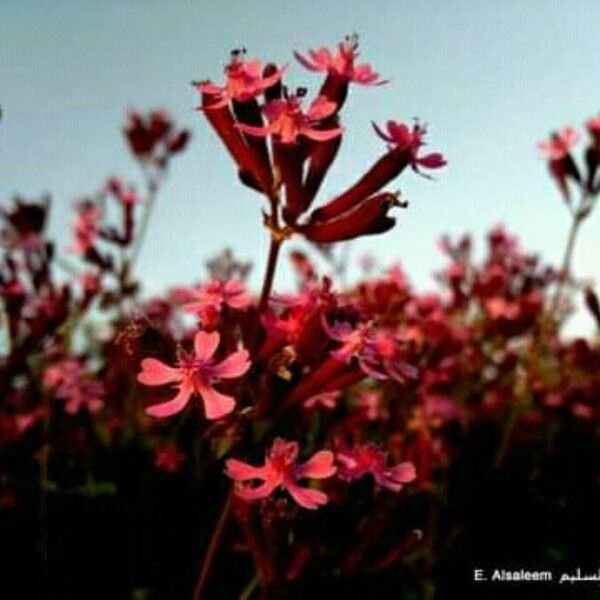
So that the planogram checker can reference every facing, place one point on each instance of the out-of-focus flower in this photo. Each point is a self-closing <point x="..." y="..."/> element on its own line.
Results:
<point x="327" y="400"/>
<point x="69" y="381"/>
<point x="24" y="224"/>
<point x="282" y="469"/>
<point x="559" y="144"/>
<point x="195" y="374"/>
<point x="557" y="150"/>
<point x="85" y="227"/>
<point x="369" y="459"/>
<point x="214" y="294"/>
<point x="169" y="457"/>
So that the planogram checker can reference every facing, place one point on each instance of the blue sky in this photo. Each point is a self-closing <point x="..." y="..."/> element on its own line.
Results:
<point x="489" y="78"/>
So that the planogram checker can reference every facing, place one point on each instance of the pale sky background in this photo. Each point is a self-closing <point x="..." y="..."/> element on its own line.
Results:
<point x="490" y="79"/>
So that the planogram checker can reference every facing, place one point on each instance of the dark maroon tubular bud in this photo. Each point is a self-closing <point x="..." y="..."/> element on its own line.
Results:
<point x="335" y="88"/>
<point x="388" y="167"/>
<point x="141" y="142"/>
<point x="321" y="158"/>
<point x="248" y="112"/>
<point x="223" y="123"/>
<point x="178" y="143"/>
<point x="289" y="159"/>
<point x="571" y="168"/>
<point x="276" y="90"/>
<point x="592" y="159"/>
<point x="593" y="305"/>
<point x="368" y="218"/>
<point x="248" y="179"/>
<point x="557" y="170"/>
<point x="160" y="124"/>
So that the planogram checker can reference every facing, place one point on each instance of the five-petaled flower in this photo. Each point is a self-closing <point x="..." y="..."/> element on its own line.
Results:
<point x="212" y="295"/>
<point x="195" y="374"/>
<point x="287" y="121"/>
<point x="282" y="469"/>
<point x="369" y="458"/>
<point x="401" y="136"/>
<point x="244" y="81"/>
<point x="340" y="63"/>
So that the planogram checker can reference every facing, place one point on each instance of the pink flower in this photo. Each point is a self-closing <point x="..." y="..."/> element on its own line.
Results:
<point x="401" y="136"/>
<point x="287" y="121"/>
<point x="243" y="82"/>
<point x="85" y="227"/>
<point x="340" y="63"/>
<point x="70" y="382"/>
<point x="327" y="400"/>
<point x="559" y="144"/>
<point x="281" y="469"/>
<point x="368" y="458"/>
<point x="215" y="293"/>
<point x="169" y="458"/>
<point x="351" y="338"/>
<point x="370" y="401"/>
<point x="195" y="374"/>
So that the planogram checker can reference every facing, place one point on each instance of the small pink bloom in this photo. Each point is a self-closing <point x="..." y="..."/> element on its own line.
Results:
<point x="400" y="135"/>
<point x="368" y="458"/>
<point x="169" y="458"/>
<point x="243" y="81"/>
<point x="70" y="382"/>
<point x="370" y="401"/>
<point x="85" y="227"/>
<point x="215" y="293"/>
<point x="195" y="374"/>
<point x="327" y="400"/>
<point x="559" y="144"/>
<point x="351" y="338"/>
<point x="281" y="469"/>
<point x="287" y="121"/>
<point x="340" y="63"/>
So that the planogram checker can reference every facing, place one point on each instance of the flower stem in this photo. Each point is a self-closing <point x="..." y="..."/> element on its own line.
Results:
<point x="152" y="187"/>
<point x="213" y="545"/>
<point x="269" y="273"/>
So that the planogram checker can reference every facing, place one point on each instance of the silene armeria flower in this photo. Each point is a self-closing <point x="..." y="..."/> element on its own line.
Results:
<point x="196" y="373"/>
<point x="282" y="469"/>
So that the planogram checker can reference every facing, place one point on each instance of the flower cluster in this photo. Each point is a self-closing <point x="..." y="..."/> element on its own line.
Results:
<point x="316" y="419"/>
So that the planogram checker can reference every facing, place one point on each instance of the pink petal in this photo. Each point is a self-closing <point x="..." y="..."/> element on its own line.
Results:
<point x="305" y="497"/>
<point x="319" y="466"/>
<point x="239" y="301"/>
<point x="434" y="160"/>
<point x="274" y="109"/>
<point x="241" y="471"/>
<point x="320" y="135"/>
<point x="384" y="136"/>
<point x="404" y="472"/>
<point x="209" y="88"/>
<point x="177" y="404"/>
<point x="306" y="63"/>
<point x="253" y="68"/>
<point x="216" y="405"/>
<point x="251" y="130"/>
<point x="321" y="108"/>
<point x="274" y="78"/>
<point x="235" y="365"/>
<point x="205" y="344"/>
<point x="155" y="372"/>
<point x="255" y="493"/>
